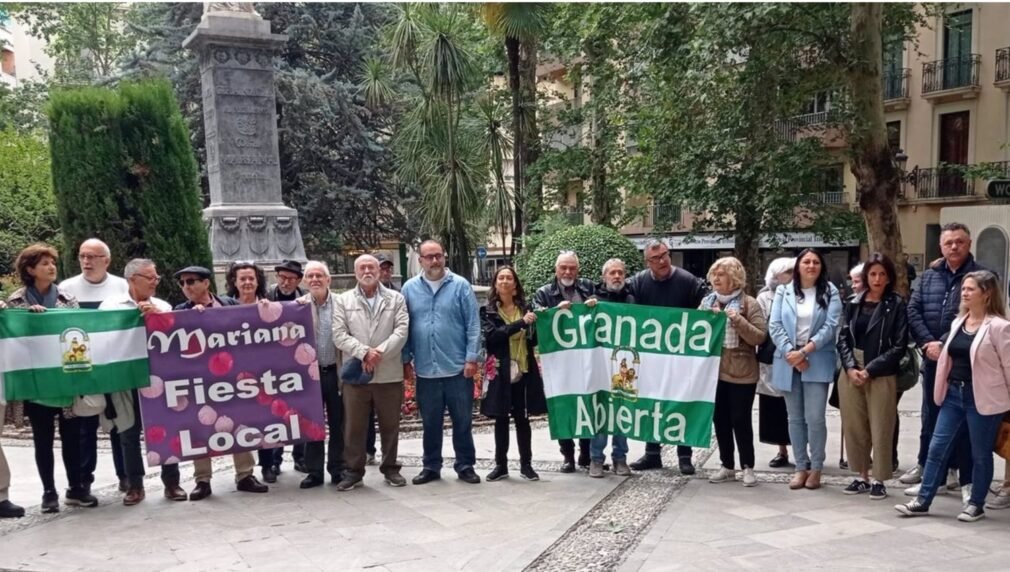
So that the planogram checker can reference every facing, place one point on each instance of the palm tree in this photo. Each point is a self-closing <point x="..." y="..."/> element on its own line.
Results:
<point x="495" y="144"/>
<point x="521" y="25"/>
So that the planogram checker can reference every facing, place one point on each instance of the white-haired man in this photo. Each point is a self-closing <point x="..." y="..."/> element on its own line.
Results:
<point x="91" y="287"/>
<point x="370" y="325"/>
<point x="564" y="290"/>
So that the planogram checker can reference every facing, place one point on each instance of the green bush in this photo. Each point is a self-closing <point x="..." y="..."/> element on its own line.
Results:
<point x="594" y="244"/>
<point x="27" y="206"/>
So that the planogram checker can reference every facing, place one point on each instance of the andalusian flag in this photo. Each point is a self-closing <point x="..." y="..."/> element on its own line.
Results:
<point x="56" y="355"/>
<point x="644" y="372"/>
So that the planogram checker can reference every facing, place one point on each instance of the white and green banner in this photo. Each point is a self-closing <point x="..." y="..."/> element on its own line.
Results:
<point x="645" y="372"/>
<point x="56" y="355"/>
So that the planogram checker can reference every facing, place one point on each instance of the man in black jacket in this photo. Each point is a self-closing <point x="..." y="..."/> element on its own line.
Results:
<point x="931" y="311"/>
<point x="567" y="289"/>
<point x="663" y="284"/>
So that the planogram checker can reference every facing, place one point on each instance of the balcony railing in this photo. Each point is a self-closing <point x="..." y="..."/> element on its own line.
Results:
<point x="672" y="215"/>
<point x="896" y="84"/>
<point x="574" y="215"/>
<point x="1003" y="65"/>
<point x="787" y="128"/>
<point x="831" y="197"/>
<point x="941" y="182"/>
<point x="952" y="73"/>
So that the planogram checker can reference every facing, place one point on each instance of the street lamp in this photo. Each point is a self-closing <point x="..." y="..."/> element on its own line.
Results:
<point x="911" y="177"/>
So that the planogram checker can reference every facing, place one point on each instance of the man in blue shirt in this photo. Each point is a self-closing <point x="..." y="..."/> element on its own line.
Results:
<point x="443" y="345"/>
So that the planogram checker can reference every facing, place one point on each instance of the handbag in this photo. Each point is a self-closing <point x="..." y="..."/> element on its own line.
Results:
<point x="515" y="374"/>
<point x="1002" y="447"/>
<point x="766" y="351"/>
<point x="908" y="369"/>
<point x="88" y="405"/>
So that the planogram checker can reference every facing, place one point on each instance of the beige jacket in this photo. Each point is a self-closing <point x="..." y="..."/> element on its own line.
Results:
<point x="357" y="327"/>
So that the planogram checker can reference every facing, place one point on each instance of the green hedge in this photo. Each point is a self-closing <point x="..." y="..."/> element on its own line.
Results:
<point x="594" y="244"/>
<point x="124" y="171"/>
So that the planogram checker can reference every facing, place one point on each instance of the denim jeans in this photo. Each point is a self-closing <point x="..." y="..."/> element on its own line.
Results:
<point x="961" y="457"/>
<point x="434" y="396"/>
<point x="618" y="448"/>
<point x="805" y="405"/>
<point x="958" y="410"/>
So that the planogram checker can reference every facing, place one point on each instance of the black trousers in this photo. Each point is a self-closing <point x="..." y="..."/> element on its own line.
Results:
<point x="733" y="405"/>
<point x="524" y="435"/>
<point x="332" y="453"/>
<point x="89" y="451"/>
<point x="44" y="435"/>
<point x="568" y="447"/>
<point x="655" y="450"/>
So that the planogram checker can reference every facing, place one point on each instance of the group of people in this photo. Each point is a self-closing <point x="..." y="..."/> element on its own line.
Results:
<point x="787" y="345"/>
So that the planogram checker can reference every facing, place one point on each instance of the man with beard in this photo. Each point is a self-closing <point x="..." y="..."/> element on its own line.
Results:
<point x="567" y="289"/>
<point x="613" y="288"/>
<point x="663" y="284"/>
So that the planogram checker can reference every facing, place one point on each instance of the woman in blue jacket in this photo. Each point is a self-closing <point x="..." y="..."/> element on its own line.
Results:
<point x="804" y="323"/>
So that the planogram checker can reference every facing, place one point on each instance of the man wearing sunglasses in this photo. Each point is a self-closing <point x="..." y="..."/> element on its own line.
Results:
<point x="195" y="284"/>
<point x="91" y="287"/>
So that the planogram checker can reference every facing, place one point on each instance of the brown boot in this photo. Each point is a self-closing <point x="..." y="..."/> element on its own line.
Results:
<point x="799" y="480"/>
<point x="134" y="496"/>
<point x="814" y="480"/>
<point x="174" y="492"/>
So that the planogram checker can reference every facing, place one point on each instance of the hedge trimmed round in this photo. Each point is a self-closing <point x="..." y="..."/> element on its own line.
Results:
<point x="594" y="245"/>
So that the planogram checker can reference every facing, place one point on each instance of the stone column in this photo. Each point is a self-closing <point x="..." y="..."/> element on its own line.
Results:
<point x="246" y="217"/>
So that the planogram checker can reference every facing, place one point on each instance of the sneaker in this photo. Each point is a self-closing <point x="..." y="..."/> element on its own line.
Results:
<point x="1000" y="501"/>
<point x="953" y="483"/>
<point x="596" y="469"/>
<point x="971" y="513"/>
<point x="912" y="508"/>
<point x="749" y="479"/>
<point x="498" y="473"/>
<point x="526" y="471"/>
<point x="621" y="468"/>
<point x="79" y="497"/>
<point x="395" y="480"/>
<point x="843" y="464"/>
<point x="857" y="486"/>
<point x="723" y="475"/>
<point x="965" y="495"/>
<point x="647" y="463"/>
<point x="349" y="483"/>
<point x="584" y="460"/>
<point x="913" y="491"/>
<point x="50" y="502"/>
<point x="686" y="466"/>
<point x="878" y="491"/>
<point x="10" y="510"/>
<point x="912" y="477"/>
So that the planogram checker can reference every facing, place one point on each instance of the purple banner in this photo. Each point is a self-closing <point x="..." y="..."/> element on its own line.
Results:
<point x="231" y="379"/>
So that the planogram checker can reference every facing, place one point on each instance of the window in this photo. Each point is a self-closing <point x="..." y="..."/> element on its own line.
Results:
<point x="832" y="185"/>
<point x="7" y="62"/>
<point x="664" y="215"/>
<point x="894" y="136"/>
<point x="957" y="50"/>
<point x="820" y="103"/>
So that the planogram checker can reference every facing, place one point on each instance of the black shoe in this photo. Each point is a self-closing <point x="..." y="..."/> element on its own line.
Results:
<point x="200" y="491"/>
<point x="584" y="460"/>
<point x="269" y="475"/>
<point x="11" y="510"/>
<point x="78" y="497"/>
<point x="498" y="473"/>
<point x="425" y="477"/>
<point x="894" y="465"/>
<point x="971" y="513"/>
<point x="878" y="491"/>
<point x="527" y="472"/>
<point x="686" y="466"/>
<point x="856" y="487"/>
<point x="843" y="464"/>
<point x="311" y="481"/>
<point x="251" y="485"/>
<point x="780" y="461"/>
<point x="647" y="462"/>
<point x="568" y="466"/>
<point x="50" y="502"/>
<point x="912" y="508"/>
<point x="300" y="467"/>
<point x="469" y="476"/>
<point x="277" y="469"/>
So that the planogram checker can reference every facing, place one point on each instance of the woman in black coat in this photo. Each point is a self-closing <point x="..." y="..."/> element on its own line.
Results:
<point x="514" y="384"/>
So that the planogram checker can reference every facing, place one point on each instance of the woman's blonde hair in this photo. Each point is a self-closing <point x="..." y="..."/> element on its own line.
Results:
<point x="733" y="268"/>
<point x="988" y="283"/>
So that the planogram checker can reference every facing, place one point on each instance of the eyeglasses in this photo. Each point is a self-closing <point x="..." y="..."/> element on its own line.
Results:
<point x="432" y="257"/>
<point x="658" y="257"/>
<point x="190" y="281"/>
<point x="90" y="257"/>
<point x="154" y="278"/>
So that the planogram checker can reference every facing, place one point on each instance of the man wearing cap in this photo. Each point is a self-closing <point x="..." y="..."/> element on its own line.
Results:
<point x="195" y="284"/>
<point x="386" y="272"/>
<point x="91" y="287"/>
<point x="317" y="278"/>
<point x="370" y="325"/>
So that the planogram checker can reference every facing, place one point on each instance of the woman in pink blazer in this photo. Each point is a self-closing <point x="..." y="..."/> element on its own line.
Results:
<point x="973" y="388"/>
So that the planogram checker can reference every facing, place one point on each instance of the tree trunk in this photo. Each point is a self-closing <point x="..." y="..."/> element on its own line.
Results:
<point x="602" y="202"/>
<point x="747" y="244"/>
<point x="518" y="194"/>
<point x="533" y="186"/>
<point x="877" y="180"/>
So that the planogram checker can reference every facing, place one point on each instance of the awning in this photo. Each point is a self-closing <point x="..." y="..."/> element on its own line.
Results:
<point x="714" y="241"/>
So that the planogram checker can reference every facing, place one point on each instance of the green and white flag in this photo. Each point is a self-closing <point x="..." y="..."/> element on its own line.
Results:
<point x="645" y="372"/>
<point x="56" y="355"/>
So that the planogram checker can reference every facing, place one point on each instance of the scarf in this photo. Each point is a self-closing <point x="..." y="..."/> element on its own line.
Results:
<point x="731" y="301"/>
<point x="517" y="341"/>
<point x="34" y="297"/>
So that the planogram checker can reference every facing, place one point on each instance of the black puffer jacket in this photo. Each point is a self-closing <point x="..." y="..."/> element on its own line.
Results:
<point x="549" y="295"/>
<point x="498" y="401"/>
<point x="886" y="338"/>
<point x="624" y="296"/>
<point x="935" y="303"/>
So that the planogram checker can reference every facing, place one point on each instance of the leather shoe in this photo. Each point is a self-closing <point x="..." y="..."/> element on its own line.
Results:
<point x="300" y="467"/>
<point x="251" y="485"/>
<point x="10" y="510"/>
<point x="175" y="493"/>
<point x="425" y="476"/>
<point x="200" y="492"/>
<point x="647" y="462"/>
<point x="584" y="459"/>
<point x="269" y="475"/>
<point x="469" y="476"/>
<point x="134" y="496"/>
<point x="277" y="469"/>
<point x="686" y="466"/>
<point x="568" y="467"/>
<point x="311" y="481"/>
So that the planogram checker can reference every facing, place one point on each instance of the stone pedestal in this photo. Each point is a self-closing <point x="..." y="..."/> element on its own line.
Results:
<point x="247" y="219"/>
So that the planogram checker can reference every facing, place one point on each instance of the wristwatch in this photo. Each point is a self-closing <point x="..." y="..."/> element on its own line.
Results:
<point x="804" y="353"/>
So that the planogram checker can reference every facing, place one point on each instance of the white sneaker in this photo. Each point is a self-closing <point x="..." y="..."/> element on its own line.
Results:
<point x="723" y="475"/>
<point x="1000" y="501"/>
<point x="953" y="483"/>
<point x="914" y="491"/>
<point x="912" y="477"/>
<point x="965" y="495"/>
<point x="749" y="479"/>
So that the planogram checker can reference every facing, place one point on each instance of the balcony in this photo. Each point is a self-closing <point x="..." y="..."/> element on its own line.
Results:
<point x="951" y="79"/>
<point x="938" y="183"/>
<point x="830" y="197"/>
<point x="896" y="90"/>
<point x="1002" y="79"/>
<point x="574" y="215"/>
<point x="668" y="216"/>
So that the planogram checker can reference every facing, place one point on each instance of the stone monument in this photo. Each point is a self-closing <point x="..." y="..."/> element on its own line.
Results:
<point x="247" y="219"/>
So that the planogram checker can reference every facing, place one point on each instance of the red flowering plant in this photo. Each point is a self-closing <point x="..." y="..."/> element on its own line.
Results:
<point x="409" y="407"/>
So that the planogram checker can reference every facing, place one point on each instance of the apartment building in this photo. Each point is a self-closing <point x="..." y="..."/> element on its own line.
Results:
<point x="20" y="53"/>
